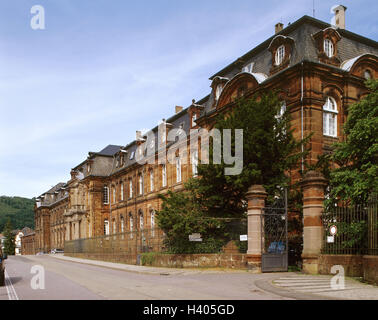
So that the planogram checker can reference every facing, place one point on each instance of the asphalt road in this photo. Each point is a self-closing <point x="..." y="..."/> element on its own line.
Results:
<point x="66" y="280"/>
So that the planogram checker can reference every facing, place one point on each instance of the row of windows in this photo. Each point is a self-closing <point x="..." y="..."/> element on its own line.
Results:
<point x="106" y="190"/>
<point x="122" y="226"/>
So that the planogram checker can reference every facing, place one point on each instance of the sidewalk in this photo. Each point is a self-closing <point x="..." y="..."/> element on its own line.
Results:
<point x="317" y="287"/>
<point x="289" y="284"/>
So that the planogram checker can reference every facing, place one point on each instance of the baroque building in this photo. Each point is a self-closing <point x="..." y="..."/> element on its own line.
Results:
<point x="317" y="69"/>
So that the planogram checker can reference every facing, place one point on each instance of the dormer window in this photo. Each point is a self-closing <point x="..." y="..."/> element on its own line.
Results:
<point x="329" y="49"/>
<point x="132" y="155"/>
<point x="194" y="118"/>
<point x="367" y="75"/>
<point x="280" y="55"/>
<point x="326" y="43"/>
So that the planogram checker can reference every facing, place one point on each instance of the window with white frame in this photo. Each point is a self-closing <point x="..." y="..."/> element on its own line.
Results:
<point x="280" y="55"/>
<point x="151" y="180"/>
<point x="106" y="195"/>
<point x="114" y="194"/>
<point x="130" y="188"/>
<point x="195" y="163"/>
<point x="140" y="181"/>
<point x="328" y="48"/>
<point x="122" y="191"/>
<point x="164" y="175"/>
<point x="330" y="117"/>
<point x="106" y="227"/>
<point x="178" y="169"/>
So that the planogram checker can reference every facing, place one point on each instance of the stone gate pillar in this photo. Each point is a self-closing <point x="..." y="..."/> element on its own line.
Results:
<point x="313" y="186"/>
<point x="256" y="196"/>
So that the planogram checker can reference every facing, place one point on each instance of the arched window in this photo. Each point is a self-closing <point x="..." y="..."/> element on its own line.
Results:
<point x="141" y="220"/>
<point x="330" y="117"/>
<point x="122" y="225"/>
<point x="367" y="74"/>
<point x="280" y="55"/>
<point x="328" y="48"/>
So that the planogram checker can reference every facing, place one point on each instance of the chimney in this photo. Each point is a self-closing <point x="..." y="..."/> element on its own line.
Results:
<point x="279" y="27"/>
<point x="340" y="16"/>
<point x="178" y="109"/>
<point x="138" y="135"/>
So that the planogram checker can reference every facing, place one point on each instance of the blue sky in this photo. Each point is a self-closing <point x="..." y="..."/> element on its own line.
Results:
<point x="103" y="69"/>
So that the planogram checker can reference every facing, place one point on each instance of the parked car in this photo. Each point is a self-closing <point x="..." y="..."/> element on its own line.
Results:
<point x="2" y="267"/>
<point x="54" y="251"/>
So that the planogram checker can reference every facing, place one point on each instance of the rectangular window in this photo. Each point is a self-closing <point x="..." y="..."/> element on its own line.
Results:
<point x="151" y="180"/>
<point x="106" y="227"/>
<point x="131" y="188"/>
<point x="178" y="169"/>
<point x="164" y="175"/>
<point x="122" y="225"/>
<point x="121" y="191"/>
<point x="106" y="195"/>
<point x="114" y="194"/>
<point x="140" y="184"/>
<point x="195" y="163"/>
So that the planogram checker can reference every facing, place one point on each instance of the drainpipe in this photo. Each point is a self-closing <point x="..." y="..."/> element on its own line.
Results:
<point x="302" y="111"/>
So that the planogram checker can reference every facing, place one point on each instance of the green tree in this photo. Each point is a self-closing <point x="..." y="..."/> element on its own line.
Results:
<point x="9" y="243"/>
<point x="356" y="158"/>
<point x="269" y="153"/>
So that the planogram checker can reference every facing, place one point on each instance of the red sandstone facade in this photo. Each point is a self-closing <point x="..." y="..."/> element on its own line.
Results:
<point x="318" y="71"/>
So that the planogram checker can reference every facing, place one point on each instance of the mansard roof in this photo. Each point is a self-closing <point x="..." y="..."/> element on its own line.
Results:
<point x="301" y="32"/>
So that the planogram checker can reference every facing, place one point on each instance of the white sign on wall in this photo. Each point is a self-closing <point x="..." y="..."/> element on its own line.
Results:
<point x="244" y="237"/>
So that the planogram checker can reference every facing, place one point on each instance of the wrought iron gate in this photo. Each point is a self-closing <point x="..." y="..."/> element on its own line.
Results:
<point x="274" y="239"/>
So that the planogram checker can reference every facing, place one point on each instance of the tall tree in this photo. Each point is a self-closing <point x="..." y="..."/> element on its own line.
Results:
<point x="9" y="243"/>
<point x="269" y="153"/>
<point x="355" y="176"/>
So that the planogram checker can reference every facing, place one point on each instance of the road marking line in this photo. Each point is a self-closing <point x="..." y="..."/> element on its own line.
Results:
<point x="12" y="295"/>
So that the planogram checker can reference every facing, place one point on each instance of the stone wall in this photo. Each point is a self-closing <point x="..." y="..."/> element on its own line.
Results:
<point x="354" y="266"/>
<point x="226" y="260"/>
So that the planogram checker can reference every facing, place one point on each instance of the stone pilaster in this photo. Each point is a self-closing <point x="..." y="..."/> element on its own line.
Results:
<point x="313" y="186"/>
<point x="256" y="196"/>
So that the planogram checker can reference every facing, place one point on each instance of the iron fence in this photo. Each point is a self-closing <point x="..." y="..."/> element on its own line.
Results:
<point x="356" y="229"/>
<point x="130" y="245"/>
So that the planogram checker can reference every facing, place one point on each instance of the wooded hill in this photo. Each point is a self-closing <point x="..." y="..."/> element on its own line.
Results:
<point x="19" y="210"/>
